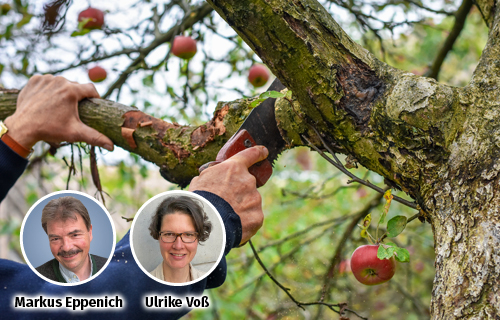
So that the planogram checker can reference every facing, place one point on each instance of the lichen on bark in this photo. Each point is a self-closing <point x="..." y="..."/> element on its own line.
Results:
<point x="438" y="143"/>
<point x="169" y="145"/>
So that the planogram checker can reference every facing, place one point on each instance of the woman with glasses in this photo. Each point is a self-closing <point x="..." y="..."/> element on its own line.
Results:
<point x="179" y="224"/>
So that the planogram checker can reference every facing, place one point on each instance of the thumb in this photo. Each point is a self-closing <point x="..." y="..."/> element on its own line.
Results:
<point x="93" y="137"/>
<point x="250" y="156"/>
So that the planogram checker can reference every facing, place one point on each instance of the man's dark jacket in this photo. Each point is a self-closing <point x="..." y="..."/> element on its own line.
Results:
<point x="50" y="269"/>
<point x="124" y="279"/>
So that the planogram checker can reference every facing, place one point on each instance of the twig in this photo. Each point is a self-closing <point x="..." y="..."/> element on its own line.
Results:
<point x="352" y="176"/>
<point x="95" y="173"/>
<point x="71" y="166"/>
<point x="299" y="304"/>
<point x="304" y="231"/>
<point x="38" y="159"/>
<point x="430" y="9"/>
<point x="253" y="297"/>
<point x="301" y="245"/>
<point x="95" y="59"/>
<point x="188" y="21"/>
<point x="460" y="17"/>
<point x="415" y="216"/>
<point x="317" y="197"/>
<point x="295" y="235"/>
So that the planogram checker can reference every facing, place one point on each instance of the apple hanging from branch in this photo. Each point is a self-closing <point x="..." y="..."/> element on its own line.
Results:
<point x="184" y="47"/>
<point x="370" y="270"/>
<point x="94" y="18"/>
<point x="258" y="75"/>
<point x="97" y="74"/>
<point x="376" y="263"/>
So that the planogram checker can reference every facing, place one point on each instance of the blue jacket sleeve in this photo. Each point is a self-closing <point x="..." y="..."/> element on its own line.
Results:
<point x="122" y="277"/>
<point x="232" y="225"/>
<point x="12" y="166"/>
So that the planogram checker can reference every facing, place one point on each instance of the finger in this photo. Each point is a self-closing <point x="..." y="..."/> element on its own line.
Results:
<point x="86" y="90"/>
<point x="250" y="156"/>
<point x="93" y="137"/>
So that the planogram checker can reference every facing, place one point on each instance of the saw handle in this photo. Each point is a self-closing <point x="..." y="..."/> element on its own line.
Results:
<point x="242" y="140"/>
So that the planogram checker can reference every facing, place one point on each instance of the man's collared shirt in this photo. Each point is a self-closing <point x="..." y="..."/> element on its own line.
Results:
<point x="70" y="276"/>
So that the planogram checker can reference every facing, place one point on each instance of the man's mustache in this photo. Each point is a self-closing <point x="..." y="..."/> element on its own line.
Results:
<point x="69" y="253"/>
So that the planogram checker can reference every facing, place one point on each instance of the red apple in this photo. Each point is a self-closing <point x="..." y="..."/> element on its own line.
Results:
<point x="184" y="47"/>
<point x="258" y="75"/>
<point x="97" y="74"/>
<point x="96" y="15"/>
<point x="370" y="270"/>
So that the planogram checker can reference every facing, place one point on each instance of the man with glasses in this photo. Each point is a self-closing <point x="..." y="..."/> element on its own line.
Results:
<point x="67" y="223"/>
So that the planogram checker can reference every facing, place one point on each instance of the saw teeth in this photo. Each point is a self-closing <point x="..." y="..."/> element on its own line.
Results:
<point x="272" y="162"/>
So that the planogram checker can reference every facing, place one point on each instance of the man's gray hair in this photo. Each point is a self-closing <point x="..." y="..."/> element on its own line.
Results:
<point x="64" y="208"/>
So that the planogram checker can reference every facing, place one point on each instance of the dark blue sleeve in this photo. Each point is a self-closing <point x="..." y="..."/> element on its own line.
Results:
<point x="12" y="166"/>
<point x="122" y="277"/>
<point x="232" y="225"/>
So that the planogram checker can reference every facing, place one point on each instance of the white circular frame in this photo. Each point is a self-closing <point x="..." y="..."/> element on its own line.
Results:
<point x="110" y="255"/>
<point x="189" y="194"/>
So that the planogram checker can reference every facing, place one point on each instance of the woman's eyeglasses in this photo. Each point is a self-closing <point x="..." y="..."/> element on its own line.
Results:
<point x="186" y="237"/>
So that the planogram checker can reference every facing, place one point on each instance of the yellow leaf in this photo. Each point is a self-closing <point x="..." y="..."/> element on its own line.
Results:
<point x="367" y="220"/>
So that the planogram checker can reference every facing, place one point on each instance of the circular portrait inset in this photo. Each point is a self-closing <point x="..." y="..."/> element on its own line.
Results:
<point x="177" y="238"/>
<point x="67" y="238"/>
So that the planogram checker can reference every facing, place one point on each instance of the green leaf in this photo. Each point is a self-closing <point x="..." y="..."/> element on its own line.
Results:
<point x="396" y="225"/>
<point x="272" y="94"/>
<point x="83" y="22"/>
<point x="402" y="255"/>
<point x="265" y="95"/>
<point x="385" y="251"/>
<point x="80" y="32"/>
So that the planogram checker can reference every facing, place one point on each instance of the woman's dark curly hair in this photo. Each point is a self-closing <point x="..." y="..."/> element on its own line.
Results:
<point x="186" y="205"/>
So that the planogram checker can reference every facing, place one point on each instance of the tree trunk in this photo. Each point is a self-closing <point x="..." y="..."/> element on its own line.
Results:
<point x="438" y="143"/>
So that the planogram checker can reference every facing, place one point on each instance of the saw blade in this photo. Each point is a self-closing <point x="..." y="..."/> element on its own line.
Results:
<point x="262" y="126"/>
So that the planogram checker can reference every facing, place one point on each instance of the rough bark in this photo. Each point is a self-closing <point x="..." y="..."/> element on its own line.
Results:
<point x="177" y="150"/>
<point x="438" y="143"/>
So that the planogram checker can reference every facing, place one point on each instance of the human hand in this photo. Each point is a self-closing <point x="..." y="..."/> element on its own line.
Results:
<point x="231" y="181"/>
<point x="47" y="109"/>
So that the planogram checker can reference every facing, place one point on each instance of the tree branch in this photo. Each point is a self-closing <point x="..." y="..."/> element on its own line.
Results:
<point x="188" y="21"/>
<point x="178" y="150"/>
<point x="458" y="26"/>
<point x="300" y="304"/>
<point x="391" y="121"/>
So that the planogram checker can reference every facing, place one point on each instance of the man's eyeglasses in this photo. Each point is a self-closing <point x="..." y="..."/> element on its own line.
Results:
<point x="186" y="237"/>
